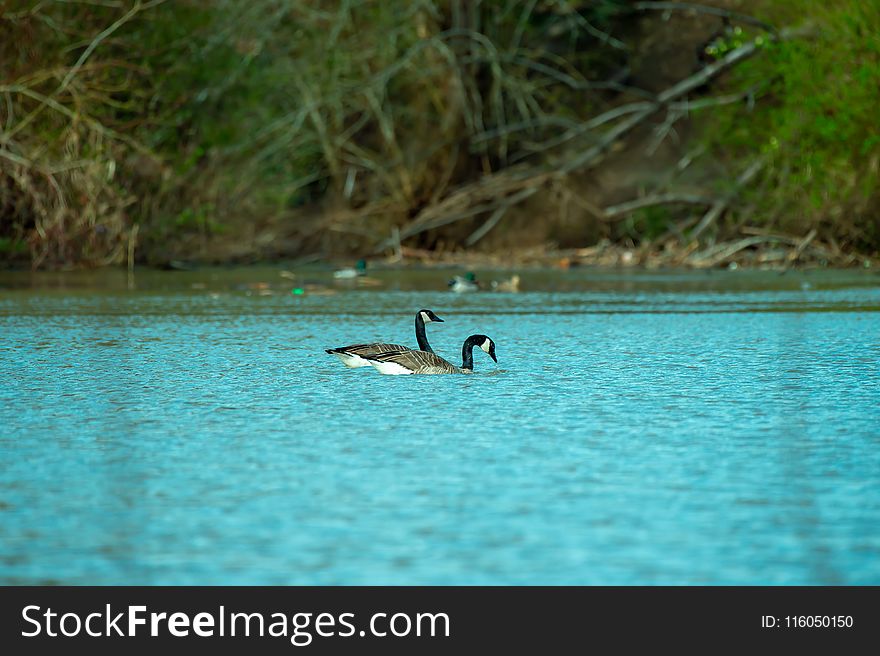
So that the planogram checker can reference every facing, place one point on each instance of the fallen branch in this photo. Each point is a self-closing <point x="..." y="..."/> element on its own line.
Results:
<point x="718" y="254"/>
<point x="497" y="192"/>
<point x="471" y="200"/>
<point x="795" y="255"/>
<point x="591" y="155"/>
<point x="704" y="9"/>
<point x="674" y="92"/>
<point x="498" y="214"/>
<point x="717" y="101"/>
<point x="595" y="122"/>
<point x="623" y="209"/>
<point x="762" y="232"/>
<point x="675" y="230"/>
<point x="721" y="204"/>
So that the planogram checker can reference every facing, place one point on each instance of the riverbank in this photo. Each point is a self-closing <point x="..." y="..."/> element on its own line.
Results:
<point x="285" y="284"/>
<point x="761" y="250"/>
<point x="614" y="133"/>
<point x="602" y="258"/>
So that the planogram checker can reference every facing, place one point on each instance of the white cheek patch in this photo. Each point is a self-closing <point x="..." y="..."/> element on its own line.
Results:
<point x="486" y="345"/>
<point x="425" y="317"/>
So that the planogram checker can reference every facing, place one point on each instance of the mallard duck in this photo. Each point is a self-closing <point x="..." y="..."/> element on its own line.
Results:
<point x="509" y="285"/>
<point x="360" y="269"/>
<point x="465" y="283"/>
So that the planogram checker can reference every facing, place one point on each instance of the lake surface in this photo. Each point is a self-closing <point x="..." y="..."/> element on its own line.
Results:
<point x="653" y="428"/>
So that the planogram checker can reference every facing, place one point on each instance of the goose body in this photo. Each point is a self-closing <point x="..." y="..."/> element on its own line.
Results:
<point x="396" y="363"/>
<point x="354" y="356"/>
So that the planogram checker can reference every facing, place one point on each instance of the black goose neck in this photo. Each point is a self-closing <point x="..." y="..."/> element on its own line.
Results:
<point x="421" y="337"/>
<point x="467" y="353"/>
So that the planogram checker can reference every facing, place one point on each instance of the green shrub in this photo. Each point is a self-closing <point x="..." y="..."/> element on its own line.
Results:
<point x="815" y="119"/>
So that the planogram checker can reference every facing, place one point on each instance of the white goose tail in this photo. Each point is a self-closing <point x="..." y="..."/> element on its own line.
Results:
<point x="350" y="360"/>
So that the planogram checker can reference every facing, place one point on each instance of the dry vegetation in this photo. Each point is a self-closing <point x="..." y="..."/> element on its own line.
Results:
<point x="607" y="132"/>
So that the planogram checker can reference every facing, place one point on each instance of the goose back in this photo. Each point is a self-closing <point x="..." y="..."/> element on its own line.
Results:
<point x="354" y="356"/>
<point x="398" y="363"/>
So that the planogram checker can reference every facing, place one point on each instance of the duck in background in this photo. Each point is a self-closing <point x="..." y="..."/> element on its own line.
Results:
<point x="349" y="273"/>
<point x="305" y="287"/>
<point x="509" y="285"/>
<point x="465" y="283"/>
<point x="357" y="275"/>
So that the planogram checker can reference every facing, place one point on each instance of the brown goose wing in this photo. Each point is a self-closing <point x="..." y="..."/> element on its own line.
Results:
<point x="369" y="349"/>
<point x="418" y="362"/>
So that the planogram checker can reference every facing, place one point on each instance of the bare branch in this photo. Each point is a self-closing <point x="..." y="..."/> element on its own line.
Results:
<point x="795" y="255"/>
<point x="498" y="214"/>
<point x="721" y="204"/>
<point x="623" y="209"/>
<point x="15" y="159"/>
<point x="48" y="101"/>
<point x="674" y="92"/>
<point x="704" y="9"/>
<point x="719" y="254"/>
<point x="136" y="8"/>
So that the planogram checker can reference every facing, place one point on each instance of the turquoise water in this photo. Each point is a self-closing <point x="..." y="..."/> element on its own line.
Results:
<point x="637" y="429"/>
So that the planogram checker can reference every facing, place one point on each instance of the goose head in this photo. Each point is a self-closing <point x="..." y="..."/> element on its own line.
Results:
<point x="429" y="317"/>
<point x="488" y="346"/>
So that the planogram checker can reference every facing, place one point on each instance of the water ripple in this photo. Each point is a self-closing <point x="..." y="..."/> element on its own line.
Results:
<point x="624" y="437"/>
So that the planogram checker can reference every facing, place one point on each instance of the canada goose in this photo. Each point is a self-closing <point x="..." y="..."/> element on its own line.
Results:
<point x="466" y="283"/>
<point x="353" y="356"/>
<point x="422" y="362"/>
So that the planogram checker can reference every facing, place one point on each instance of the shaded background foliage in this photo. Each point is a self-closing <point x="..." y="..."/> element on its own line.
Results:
<point x="236" y="131"/>
<point x="815" y="120"/>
